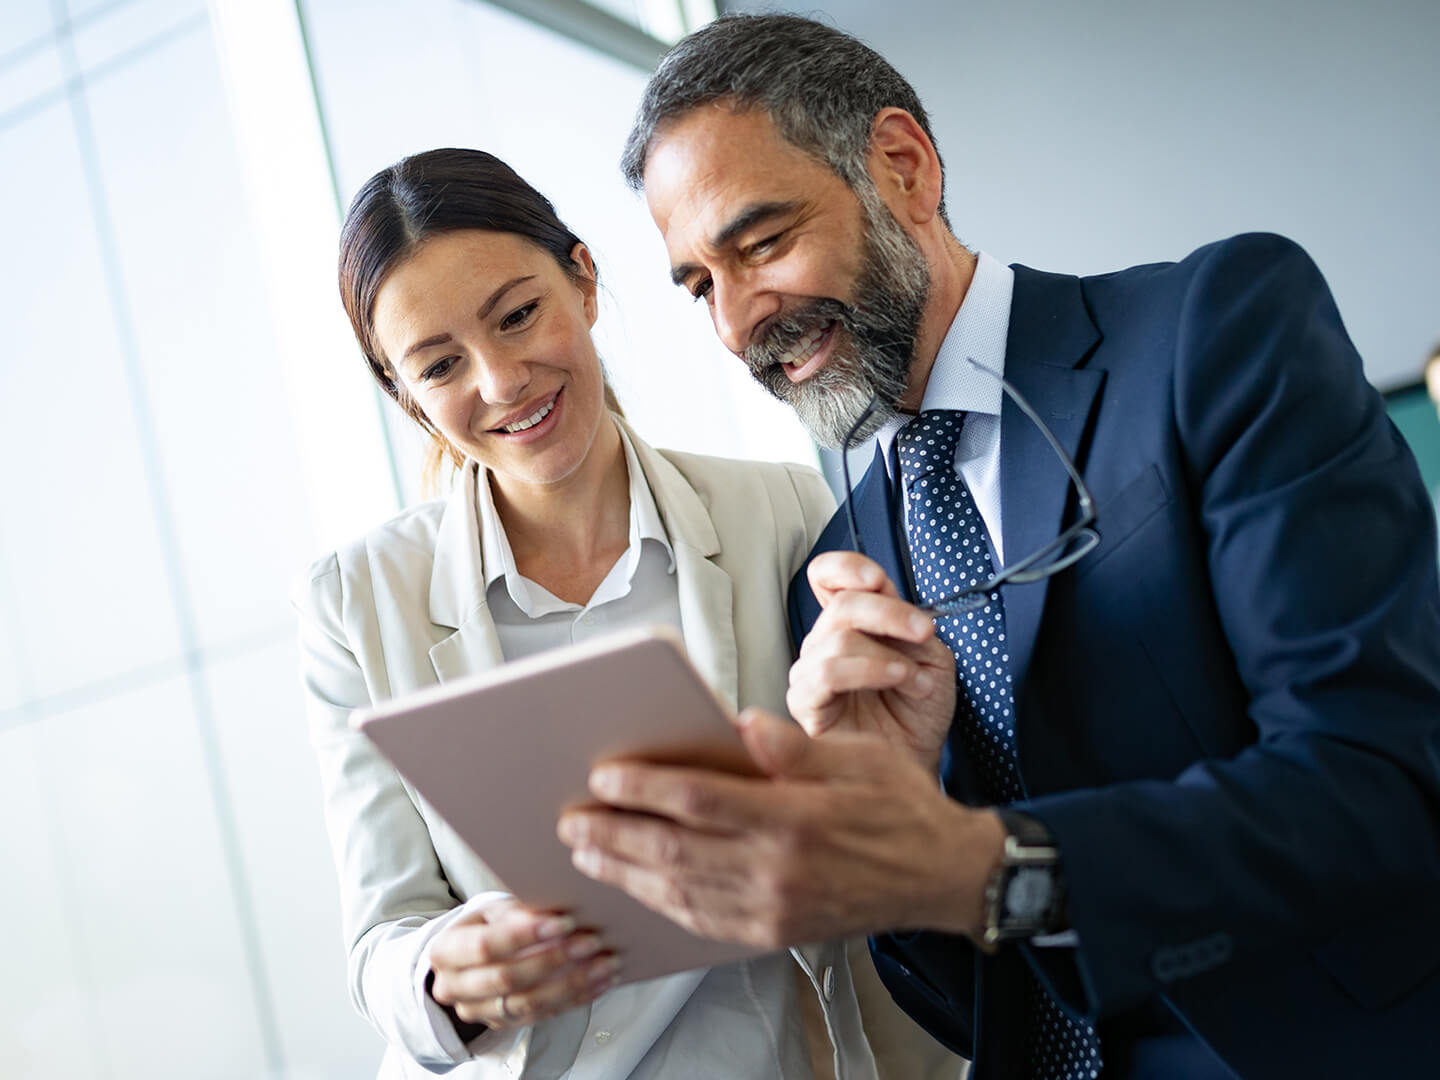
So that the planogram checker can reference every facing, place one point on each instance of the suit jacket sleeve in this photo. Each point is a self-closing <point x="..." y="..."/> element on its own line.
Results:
<point x="1321" y="562"/>
<point x="394" y="895"/>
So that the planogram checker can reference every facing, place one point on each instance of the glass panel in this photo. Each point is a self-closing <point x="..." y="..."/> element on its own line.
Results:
<point x="116" y="32"/>
<point x="27" y="75"/>
<point x="134" y="815"/>
<point x="271" y="776"/>
<point x="84" y="554"/>
<point x="48" y="984"/>
<point x="23" y="23"/>
<point x="201" y="324"/>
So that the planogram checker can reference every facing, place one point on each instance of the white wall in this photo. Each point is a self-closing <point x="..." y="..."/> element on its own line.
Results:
<point x="1084" y="137"/>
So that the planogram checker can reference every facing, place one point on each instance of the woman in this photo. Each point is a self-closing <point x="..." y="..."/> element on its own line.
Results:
<point x="473" y="305"/>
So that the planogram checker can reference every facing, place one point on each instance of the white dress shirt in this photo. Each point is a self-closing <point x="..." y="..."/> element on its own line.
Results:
<point x="742" y="1019"/>
<point x="979" y="332"/>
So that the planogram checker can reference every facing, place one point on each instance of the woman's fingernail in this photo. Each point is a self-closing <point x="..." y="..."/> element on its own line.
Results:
<point x="920" y="624"/>
<point x="604" y="968"/>
<point x="587" y="861"/>
<point x="895" y="670"/>
<point x="584" y="947"/>
<point x="605" y="782"/>
<point x="555" y="928"/>
<point x="924" y="683"/>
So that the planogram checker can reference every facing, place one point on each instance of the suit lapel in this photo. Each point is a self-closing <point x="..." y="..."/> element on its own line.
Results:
<point x="706" y="593"/>
<point x="457" y="588"/>
<point x="1051" y="333"/>
<point x="879" y="517"/>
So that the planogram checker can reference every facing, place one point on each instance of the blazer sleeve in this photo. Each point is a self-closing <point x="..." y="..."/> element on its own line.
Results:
<point x="1320" y="555"/>
<point x="393" y="893"/>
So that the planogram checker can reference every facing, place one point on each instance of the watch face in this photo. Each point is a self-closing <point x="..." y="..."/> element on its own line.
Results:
<point x="1027" y="896"/>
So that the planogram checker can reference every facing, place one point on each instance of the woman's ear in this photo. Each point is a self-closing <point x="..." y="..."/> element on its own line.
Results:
<point x="585" y="280"/>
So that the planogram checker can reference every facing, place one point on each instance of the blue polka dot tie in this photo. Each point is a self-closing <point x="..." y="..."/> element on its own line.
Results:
<point x="949" y="552"/>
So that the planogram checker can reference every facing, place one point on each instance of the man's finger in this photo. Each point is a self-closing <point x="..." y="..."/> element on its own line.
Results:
<point x="836" y="571"/>
<point x="873" y="614"/>
<point x="654" y="842"/>
<point x="783" y="749"/>
<point x="816" y="683"/>
<point x="709" y="908"/>
<point x="700" y="798"/>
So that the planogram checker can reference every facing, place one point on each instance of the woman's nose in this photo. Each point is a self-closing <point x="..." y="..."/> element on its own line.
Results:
<point x="502" y="381"/>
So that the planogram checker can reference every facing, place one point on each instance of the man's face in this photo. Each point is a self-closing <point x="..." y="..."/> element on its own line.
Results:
<point x="817" y="288"/>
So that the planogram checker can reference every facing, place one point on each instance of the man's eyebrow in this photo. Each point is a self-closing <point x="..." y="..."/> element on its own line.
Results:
<point x="747" y="218"/>
<point x="484" y="313"/>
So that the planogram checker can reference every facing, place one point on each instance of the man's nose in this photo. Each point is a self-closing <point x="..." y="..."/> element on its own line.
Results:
<point x="737" y="312"/>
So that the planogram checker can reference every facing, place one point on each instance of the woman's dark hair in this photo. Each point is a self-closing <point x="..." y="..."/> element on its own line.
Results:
<point x="421" y="196"/>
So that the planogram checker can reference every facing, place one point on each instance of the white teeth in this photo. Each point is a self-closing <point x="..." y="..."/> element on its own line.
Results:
<point x="799" y="353"/>
<point x="529" y="421"/>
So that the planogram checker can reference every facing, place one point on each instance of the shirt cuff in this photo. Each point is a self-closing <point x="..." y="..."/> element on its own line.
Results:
<point x="440" y="1023"/>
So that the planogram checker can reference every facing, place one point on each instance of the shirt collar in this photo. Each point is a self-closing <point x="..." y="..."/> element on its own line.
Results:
<point x="499" y="558"/>
<point x="979" y="332"/>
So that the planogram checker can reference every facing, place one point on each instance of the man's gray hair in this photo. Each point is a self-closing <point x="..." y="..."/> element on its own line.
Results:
<point x="820" y="86"/>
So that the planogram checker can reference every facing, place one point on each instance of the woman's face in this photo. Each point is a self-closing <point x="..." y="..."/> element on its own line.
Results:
<point x="491" y="338"/>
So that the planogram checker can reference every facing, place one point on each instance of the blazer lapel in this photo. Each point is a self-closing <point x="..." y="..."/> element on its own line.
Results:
<point x="705" y="589"/>
<point x="457" y="588"/>
<point x="1051" y="333"/>
<point x="879" y="517"/>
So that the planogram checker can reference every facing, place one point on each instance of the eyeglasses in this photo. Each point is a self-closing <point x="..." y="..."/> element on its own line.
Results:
<point x="1065" y="550"/>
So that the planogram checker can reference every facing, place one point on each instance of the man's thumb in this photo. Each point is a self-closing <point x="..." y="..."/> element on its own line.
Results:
<point x="781" y="748"/>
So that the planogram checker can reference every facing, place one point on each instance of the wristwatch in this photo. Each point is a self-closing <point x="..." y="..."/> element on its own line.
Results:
<point x="1025" y="896"/>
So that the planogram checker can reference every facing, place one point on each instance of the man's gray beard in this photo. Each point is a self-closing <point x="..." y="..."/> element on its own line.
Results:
<point x="876" y="337"/>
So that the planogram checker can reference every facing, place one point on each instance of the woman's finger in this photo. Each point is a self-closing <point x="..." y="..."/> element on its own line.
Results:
<point x="520" y="973"/>
<point x="572" y="987"/>
<point x="470" y="944"/>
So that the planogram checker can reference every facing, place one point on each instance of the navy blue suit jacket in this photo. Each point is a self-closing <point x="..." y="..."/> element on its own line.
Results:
<point x="1229" y="711"/>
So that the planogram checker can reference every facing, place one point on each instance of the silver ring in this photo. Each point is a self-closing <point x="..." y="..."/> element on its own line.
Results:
<point x="503" y="1007"/>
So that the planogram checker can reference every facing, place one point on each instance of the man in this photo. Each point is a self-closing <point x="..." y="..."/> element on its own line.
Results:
<point x="1188" y="817"/>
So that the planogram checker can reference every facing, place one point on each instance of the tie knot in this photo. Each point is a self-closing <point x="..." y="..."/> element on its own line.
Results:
<point x="927" y="443"/>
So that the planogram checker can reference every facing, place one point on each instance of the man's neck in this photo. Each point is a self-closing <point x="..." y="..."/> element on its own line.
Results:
<point x="951" y="272"/>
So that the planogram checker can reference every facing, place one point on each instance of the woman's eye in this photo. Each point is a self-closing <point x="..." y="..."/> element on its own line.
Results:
<point x="439" y="369"/>
<point x="519" y="317"/>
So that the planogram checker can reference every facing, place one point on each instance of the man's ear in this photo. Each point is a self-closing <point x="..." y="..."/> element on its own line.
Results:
<point x="905" y="166"/>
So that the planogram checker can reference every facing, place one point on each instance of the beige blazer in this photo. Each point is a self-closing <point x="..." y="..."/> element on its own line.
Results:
<point x="404" y="607"/>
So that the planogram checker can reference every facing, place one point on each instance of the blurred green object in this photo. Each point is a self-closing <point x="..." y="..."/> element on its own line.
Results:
<point x="1414" y="414"/>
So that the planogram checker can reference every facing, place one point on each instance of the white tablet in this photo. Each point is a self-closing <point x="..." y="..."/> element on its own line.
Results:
<point x="499" y="755"/>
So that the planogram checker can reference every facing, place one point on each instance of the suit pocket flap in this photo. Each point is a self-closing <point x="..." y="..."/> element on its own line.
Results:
<point x="1119" y="516"/>
<point x="1379" y="970"/>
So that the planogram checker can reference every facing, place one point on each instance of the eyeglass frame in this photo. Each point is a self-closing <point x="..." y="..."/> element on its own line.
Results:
<point x="1023" y="572"/>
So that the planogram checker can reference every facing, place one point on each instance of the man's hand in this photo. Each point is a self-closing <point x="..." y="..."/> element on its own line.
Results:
<point x="844" y="835"/>
<point x="872" y="663"/>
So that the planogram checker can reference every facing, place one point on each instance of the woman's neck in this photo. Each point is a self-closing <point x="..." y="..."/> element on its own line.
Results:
<point x="567" y="536"/>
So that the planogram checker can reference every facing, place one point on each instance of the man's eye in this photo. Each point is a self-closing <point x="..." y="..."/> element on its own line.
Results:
<point x="760" y="247"/>
<point x="701" y="289"/>
<point x="519" y="317"/>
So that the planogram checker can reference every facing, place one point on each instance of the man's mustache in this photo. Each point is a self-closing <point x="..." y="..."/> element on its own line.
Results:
<point x="789" y="328"/>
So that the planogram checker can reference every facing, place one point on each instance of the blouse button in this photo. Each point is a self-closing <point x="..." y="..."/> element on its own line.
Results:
<point x="828" y="983"/>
